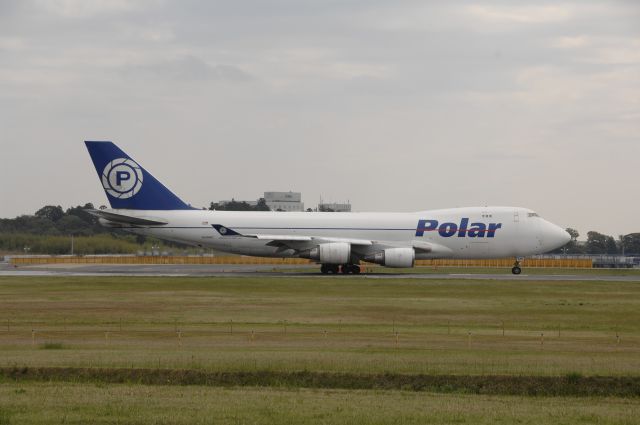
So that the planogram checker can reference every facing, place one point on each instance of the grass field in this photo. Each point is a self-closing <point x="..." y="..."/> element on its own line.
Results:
<point x="333" y="325"/>
<point x="144" y="404"/>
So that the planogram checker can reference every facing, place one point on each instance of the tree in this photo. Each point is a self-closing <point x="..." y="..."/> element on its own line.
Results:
<point x="597" y="243"/>
<point x="53" y="213"/>
<point x="234" y="205"/>
<point x="631" y="243"/>
<point x="572" y="247"/>
<point x="81" y="213"/>
<point x="238" y="206"/>
<point x="612" y="247"/>
<point x="33" y="224"/>
<point x="73" y="225"/>
<point x="262" y="205"/>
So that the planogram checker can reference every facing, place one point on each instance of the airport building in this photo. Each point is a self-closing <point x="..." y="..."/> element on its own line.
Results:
<point x="292" y="201"/>
<point x="276" y="201"/>
<point x="284" y="201"/>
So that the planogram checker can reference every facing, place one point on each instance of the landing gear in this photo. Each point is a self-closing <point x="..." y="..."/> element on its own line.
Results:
<point x="350" y="268"/>
<point x="516" y="267"/>
<point x="329" y="269"/>
<point x="335" y="269"/>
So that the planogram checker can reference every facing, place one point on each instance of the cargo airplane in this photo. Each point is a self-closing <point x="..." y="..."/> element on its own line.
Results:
<point x="338" y="241"/>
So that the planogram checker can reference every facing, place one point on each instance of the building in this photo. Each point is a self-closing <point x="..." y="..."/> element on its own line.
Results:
<point x="284" y="201"/>
<point x="335" y="207"/>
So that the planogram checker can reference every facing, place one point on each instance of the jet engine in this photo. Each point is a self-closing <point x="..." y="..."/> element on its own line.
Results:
<point x="329" y="253"/>
<point x="393" y="257"/>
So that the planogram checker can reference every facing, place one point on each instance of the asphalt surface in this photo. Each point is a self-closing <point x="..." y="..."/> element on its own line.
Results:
<point x="268" y="270"/>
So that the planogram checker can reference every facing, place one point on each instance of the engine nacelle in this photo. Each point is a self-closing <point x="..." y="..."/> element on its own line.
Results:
<point x="330" y="253"/>
<point x="394" y="257"/>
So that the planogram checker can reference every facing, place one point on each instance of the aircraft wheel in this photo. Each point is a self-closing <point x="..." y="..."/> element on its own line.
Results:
<point x="346" y="268"/>
<point x="516" y="270"/>
<point x="355" y="269"/>
<point x="324" y="269"/>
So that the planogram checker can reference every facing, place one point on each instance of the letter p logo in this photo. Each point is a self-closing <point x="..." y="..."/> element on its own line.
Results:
<point x="122" y="176"/>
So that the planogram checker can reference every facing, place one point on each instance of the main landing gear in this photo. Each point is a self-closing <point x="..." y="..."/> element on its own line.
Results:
<point x="350" y="268"/>
<point x="329" y="269"/>
<point x="335" y="269"/>
<point x="516" y="267"/>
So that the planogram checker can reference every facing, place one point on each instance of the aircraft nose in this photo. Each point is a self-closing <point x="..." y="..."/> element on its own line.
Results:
<point x="556" y="237"/>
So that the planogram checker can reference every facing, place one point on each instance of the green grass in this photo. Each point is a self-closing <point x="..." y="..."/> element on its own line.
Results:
<point x="574" y="331"/>
<point x="333" y="325"/>
<point x="24" y="403"/>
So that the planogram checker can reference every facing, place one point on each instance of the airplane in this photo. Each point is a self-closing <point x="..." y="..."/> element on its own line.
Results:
<point x="337" y="241"/>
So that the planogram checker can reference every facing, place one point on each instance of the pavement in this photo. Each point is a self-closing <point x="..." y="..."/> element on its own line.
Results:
<point x="280" y="271"/>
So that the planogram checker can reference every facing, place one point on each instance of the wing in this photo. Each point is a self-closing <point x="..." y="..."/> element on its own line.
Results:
<point x="288" y="240"/>
<point x="360" y="246"/>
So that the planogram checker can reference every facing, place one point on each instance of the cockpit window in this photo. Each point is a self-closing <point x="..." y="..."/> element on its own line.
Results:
<point x="532" y="214"/>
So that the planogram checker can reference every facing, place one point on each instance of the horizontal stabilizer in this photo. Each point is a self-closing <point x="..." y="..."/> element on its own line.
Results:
<point x="127" y="219"/>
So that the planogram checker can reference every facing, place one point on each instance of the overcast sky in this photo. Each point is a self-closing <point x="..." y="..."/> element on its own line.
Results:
<point x="395" y="106"/>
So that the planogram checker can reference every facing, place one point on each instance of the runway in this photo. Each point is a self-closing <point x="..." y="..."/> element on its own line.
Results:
<point x="284" y="271"/>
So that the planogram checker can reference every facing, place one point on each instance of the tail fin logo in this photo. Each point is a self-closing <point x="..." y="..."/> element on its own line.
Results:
<point x="122" y="178"/>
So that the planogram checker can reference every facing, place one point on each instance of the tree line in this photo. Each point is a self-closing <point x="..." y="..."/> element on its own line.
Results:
<point x="234" y="205"/>
<point x="49" y="230"/>
<point x="599" y="243"/>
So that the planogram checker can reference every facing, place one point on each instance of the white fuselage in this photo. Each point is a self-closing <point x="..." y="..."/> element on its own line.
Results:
<point x="474" y="232"/>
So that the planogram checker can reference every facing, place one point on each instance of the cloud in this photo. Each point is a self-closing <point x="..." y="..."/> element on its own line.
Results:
<point x="324" y="64"/>
<point x="350" y="87"/>
<point x="521" y="14"/>
<point x="623" y="52"/>
<point x="602" y="50"/>
<point x="191" y="68"/>
<point x="12" y="43"/>
<point x="78" y="9"/>
<point x="570" y="42"/>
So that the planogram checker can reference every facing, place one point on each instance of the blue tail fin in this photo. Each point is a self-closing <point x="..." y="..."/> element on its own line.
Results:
<point x="127" y="184"/>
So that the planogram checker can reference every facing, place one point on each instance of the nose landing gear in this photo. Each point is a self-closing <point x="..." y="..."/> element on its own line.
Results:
<point x="516" y="267"/>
